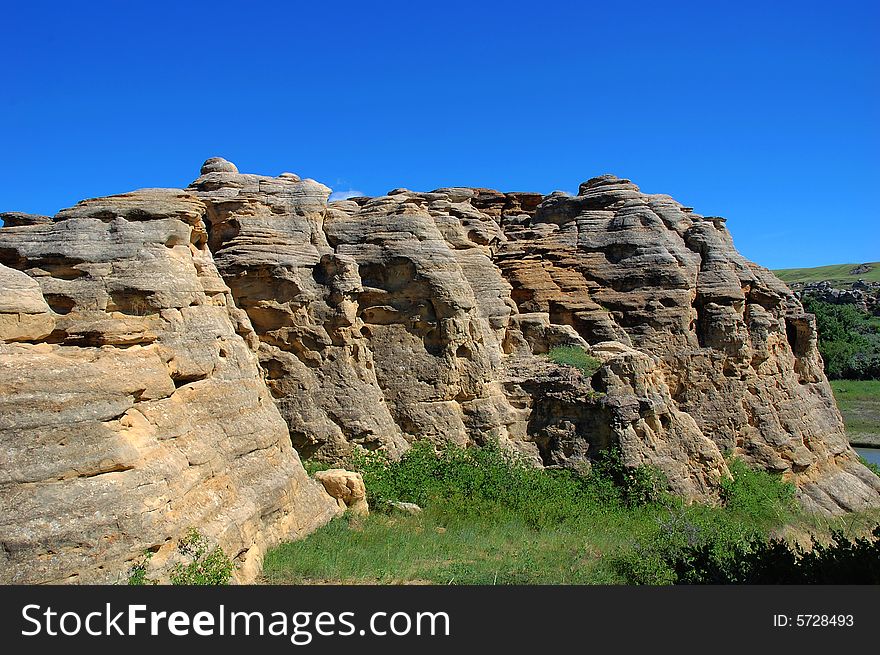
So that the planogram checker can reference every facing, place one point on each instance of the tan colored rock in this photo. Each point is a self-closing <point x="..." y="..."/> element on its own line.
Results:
<point x="24" y="314"/>
<point x="737" y="353"/>
<point x="145" y="413"/>
<point x="347" y="487"/>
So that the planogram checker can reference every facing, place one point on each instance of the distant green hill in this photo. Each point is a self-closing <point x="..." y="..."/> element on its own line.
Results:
<point x="833" y="273"/>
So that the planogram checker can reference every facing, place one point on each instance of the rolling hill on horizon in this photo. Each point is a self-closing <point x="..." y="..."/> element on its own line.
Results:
<point x="847" y="273"/>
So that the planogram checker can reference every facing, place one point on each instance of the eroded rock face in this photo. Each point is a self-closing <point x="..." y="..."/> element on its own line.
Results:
<point x="425" y="315"/>
<point x="132" y="406"/>
<point x="735" y="351"/>
<point x="162" y="349"/>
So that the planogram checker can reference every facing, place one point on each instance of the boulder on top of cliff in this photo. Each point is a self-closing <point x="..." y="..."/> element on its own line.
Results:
<point x="218" y="165"/>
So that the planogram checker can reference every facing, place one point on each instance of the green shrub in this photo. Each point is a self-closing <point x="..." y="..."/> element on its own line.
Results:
<point x="761" y="497"/>
<point x="849" y="340"/>
<point x="206" y="566"/>
<point x="137" y="574"/>
<point x="759" y="561"/>
<point x="494" y="481"/>
<point x="637" y="485"/>
<point x="643" y="565"/>
<point x="699" y="543"/>
<point x="575" y="356"/>
<point x="468" y="481"/>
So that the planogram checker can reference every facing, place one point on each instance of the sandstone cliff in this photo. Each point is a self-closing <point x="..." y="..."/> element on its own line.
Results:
<point x="132" y="406"/>
<point x="425" y="315"/>
<point x="144" y="337"/>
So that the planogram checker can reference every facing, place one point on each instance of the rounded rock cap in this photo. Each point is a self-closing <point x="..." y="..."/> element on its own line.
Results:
<point x="218" y="165"/>
<point x="606" y="180"/>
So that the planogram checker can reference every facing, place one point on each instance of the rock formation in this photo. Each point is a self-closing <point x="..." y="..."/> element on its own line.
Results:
<point x="132" y="406"/>
<point x="144" y="337"/>
<point x="425" y="315"/>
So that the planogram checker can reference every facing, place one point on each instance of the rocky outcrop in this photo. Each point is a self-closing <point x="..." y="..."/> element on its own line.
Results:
<point x="424" y="316"/>
<point x="735" y="350"/>
<point x="132" y="405"/>
<point x="161" y="351"/>
<point x="864" y="295"/>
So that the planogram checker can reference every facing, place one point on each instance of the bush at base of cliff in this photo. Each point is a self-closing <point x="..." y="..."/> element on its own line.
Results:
<point x="490" y="518"/>
<point x="760" y="496"/>
<point x="206" y="566"/>
<point x="637" y="485"/>
<point x="842" y="561"/>
<point x="486" y="478"/>
<point x="700" y="538"/>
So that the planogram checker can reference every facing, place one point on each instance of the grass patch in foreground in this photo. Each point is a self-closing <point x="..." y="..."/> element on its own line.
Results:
<point x="491" y="519"/>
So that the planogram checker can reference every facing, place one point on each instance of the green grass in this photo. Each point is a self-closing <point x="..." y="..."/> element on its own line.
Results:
<point x="575" y="356"/>
<point x="833" y="273"/>
<point x="312" y="466"/>
<point x="859" y="402"/>
<point x="491" y="519"/>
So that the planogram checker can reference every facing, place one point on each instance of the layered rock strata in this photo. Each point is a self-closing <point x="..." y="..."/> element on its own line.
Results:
<point x="426" y="316"/>
<point x="132" y="405"/>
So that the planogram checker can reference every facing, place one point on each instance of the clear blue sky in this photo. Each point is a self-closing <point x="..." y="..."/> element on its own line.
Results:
<point x="763" y="112"/>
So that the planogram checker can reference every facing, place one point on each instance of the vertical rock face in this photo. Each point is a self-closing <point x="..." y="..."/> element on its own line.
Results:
<point x="425" y="315"/>
<point x="132" y="406"/>
<point x="376" y="327"/>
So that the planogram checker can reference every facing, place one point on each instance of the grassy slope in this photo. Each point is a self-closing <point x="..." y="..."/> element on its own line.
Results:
<point x="834" y="273"/>
<point x="859" y="402"/>
<point x="487" y="523"/>
<point x="436" y="548"/>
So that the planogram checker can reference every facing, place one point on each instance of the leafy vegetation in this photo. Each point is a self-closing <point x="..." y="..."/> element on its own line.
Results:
<point x="575" y="356"/>
<point x="849" y="340"/>
<point x="206" y="565"/>
<point x="842" y="561"/>
<point x="491" y="518"/>
<point x="137" y="574"/>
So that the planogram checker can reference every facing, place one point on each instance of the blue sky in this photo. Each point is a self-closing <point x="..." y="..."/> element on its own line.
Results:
<point x="766" y="113"/>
